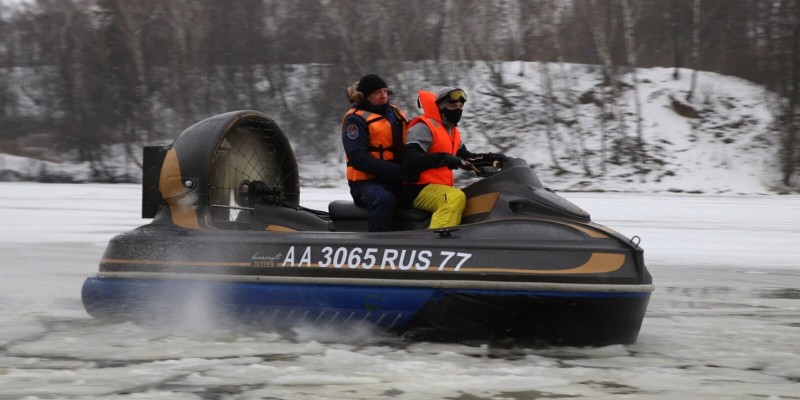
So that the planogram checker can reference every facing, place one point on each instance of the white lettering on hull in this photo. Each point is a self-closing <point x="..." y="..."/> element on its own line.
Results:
<point x="371" y="257"/>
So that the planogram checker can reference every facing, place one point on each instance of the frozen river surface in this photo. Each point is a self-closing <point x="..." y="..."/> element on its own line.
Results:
<point x="723" y="323"/>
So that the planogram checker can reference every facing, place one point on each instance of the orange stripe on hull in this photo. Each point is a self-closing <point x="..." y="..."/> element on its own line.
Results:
<point x="598" y="263"/>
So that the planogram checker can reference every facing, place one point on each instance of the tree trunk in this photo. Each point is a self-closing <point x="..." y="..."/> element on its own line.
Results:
<point x="695" y="48"/>
<point x="131" y="30"/>
<point x="550" y="113"/>
<point x="599" y="35"/>
<point x="553" y="12"/>
<point x="791" y="115"/>
<point x="630" y="46"/>
<point x="675" y="22"/>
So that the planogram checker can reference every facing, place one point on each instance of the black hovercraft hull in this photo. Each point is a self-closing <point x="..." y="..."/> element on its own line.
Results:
<point x="576" y="284"/>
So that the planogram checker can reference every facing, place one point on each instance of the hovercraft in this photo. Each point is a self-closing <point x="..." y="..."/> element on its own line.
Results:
<point x="525" y="265"/>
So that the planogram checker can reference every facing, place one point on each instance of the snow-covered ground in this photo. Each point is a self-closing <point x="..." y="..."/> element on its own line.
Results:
<point x="722" y="324"/>
<point x="730" y="149"/>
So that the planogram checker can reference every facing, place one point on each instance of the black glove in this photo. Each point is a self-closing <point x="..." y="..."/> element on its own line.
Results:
<point x="450" y="161"/>
<point x="487" y="159"/>
<point x="493" y="158"/>
<point x="416" y="160"/>
<point x="486" y="171"/>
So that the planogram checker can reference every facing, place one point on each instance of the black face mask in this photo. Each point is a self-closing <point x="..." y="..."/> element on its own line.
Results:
<point x="452" y="116"/>
<point x="378" y="109"/>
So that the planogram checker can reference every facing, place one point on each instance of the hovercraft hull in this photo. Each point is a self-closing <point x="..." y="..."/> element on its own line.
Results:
<point x="561" y="283"/>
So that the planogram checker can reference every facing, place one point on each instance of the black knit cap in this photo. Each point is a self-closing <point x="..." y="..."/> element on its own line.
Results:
<point x="370" y="83"/>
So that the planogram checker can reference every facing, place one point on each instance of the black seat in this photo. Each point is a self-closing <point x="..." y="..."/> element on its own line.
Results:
<point x="346" y="216"/>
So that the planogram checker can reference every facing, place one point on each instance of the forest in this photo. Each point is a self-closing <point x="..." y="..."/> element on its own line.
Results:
<point x="79" y="75"/>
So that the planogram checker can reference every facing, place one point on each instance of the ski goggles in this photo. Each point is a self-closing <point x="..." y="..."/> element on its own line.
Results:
<point x="454" y="96"/>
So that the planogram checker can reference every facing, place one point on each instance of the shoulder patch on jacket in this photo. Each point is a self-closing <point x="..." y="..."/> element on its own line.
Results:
<point x="352" y="132"/>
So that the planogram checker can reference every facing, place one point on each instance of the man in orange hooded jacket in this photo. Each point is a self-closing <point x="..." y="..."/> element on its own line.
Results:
<point x="433" y="148"/>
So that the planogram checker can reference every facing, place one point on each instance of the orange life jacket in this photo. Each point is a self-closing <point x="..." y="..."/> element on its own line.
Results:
<point x="442" y="141"/>
<point x="384" y="143"/>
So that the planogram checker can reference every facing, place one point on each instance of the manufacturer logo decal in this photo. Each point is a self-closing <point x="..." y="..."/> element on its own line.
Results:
<point x="260" y="260"/>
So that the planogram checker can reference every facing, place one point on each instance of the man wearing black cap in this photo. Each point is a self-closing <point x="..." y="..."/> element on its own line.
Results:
<point x="372" y="135"/>
<point x="433" y="149"/>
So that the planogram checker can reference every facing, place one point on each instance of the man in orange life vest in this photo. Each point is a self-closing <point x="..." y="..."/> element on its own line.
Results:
<point x="372" y="134"/>
<point x="433" y="149"/>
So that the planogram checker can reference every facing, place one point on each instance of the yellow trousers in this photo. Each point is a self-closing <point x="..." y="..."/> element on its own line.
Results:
<point x="446" y="203"/>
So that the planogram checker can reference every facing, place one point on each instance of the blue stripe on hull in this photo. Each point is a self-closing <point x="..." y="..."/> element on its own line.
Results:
<point x="389" y="308"/>
<point x="557" y="317"/>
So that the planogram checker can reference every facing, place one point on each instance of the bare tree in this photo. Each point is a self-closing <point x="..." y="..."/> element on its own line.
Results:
<point x="695" y="47"/>
<point x="629" y="21"/>
<point x="5" y="62"/>
<point x="557" y="10"/>
<point x="80" y="81"/>
<point x="550" y="113"/>
<point x="675" y="25"/>
<point x="546" y="33"/>
<point x="190" y="89"/>
<point x="600" y="36"/>
<point x="789" y="116"/>
<point x="452" y="33"/>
